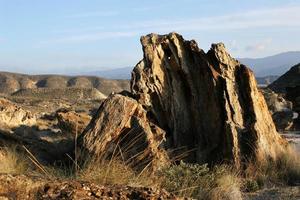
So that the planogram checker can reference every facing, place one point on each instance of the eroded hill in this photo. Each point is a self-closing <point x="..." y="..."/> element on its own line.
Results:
<point x="12" y="82"/>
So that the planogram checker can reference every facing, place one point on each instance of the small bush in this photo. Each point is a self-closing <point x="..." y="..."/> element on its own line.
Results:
<point x="198" y="181"/>
<point x="250" y="185"/>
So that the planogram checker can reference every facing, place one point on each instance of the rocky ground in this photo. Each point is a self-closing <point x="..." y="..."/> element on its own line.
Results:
<point x="27" y="188"/>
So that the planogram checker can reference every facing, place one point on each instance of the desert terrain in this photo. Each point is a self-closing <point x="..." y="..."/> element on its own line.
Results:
<point x="189" y="124"/>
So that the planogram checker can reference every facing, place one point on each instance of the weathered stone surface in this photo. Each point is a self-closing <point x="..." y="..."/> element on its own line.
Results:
<point x="72" y="122"/>
<point x="206" y="102"/>
<point x="121" y="128"/>
<point x="12" y="116"/>
<point x="281" y="109"/>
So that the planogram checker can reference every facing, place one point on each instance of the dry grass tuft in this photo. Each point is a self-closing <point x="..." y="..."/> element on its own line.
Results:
<point x="113" y="172"/>
<point x="13" y="161"/>
<point x="284" y="170"/>
<point x="227" y="186"/>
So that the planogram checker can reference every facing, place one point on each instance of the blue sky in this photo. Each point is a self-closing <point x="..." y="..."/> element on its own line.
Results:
<point x="67" y="36"/>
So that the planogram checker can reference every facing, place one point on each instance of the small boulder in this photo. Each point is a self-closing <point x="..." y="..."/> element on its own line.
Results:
<point x="281" y="109"/>
<point x="121" y="128"/>
<point x="13" y="116"/>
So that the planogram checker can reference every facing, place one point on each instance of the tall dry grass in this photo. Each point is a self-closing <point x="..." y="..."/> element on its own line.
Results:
<point x="284" y="170"/>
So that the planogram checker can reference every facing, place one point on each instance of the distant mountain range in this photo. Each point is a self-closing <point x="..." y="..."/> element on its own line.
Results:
<point x="118" y="73"/>
<point x="275" y="65"/>
<point x="266" y="69"/>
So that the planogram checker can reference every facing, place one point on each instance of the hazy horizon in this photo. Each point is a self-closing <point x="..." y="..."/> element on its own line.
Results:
<point x="71" y="36"/>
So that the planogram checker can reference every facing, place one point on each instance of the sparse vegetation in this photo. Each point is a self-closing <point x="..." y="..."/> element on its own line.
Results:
<point x="186" y="180"/>
<point x="198" y="181"/>
<point x="284" y="170"/>
<point x="12" y="161"/>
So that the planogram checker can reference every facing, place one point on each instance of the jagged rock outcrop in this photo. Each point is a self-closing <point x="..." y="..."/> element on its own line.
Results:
<point x="206" y="102"/>
<point x="12" y="116"/>
<point x="121" y="128"/>
<point x="281" y="109"/>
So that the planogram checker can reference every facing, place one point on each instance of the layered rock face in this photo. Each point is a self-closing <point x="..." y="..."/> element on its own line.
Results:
<point x="121" y="129"/>
<point x="206" y="102"/>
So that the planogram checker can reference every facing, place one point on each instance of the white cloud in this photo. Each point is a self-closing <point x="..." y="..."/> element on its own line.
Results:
<point x="259" y="46"/>
<point x="282" y="17"/>
<point x="274" y="17"/>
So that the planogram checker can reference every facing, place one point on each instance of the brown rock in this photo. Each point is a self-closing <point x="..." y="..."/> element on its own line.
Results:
<point x="280" y="108"/>
<point x="207" y="102"/>
<point x="72" y="122"/>
<point x="121" y="128"/>
<point x="289" y="84"/>
<point x="12" y="116"/>
<point x="293" y="94"/>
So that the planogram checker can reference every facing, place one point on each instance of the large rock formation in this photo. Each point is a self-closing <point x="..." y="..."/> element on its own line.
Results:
<point x="207" y="102"/>
<point x="121" y="129"/>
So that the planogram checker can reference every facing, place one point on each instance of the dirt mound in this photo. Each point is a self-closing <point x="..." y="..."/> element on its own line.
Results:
<point x="80" y="82"/>
<point x="8" y="84"/>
